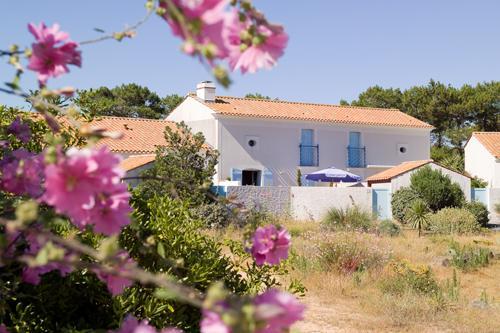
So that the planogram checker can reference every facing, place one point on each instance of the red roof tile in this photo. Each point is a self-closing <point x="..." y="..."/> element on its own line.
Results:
<point x="274" y="109"/>
<point x="490" y="141"/>
<point x="387" y="175"/>
<point x="140" y="136"/>
<point x="133" y="162"/>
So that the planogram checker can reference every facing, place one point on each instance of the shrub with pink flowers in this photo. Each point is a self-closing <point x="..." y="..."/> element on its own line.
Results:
<point x="78" y="251"/>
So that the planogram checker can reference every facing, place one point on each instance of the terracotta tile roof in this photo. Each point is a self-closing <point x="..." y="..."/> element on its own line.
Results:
<point x="140" y="136"/>
<point x="490" y="141"/>
<point x="135" y="161"/>
<point x="387" y="175"/>
<point x="261" y="108"/>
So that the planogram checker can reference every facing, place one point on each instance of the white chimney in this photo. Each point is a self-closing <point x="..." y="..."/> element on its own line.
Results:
<point x="206" y="91"/>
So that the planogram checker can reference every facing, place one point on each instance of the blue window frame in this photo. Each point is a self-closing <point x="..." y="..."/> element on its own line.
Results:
<point x="308" y="151"/>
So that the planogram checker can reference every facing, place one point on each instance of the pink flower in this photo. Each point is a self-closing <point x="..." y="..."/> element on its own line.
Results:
<point x="132" y="325"/>
<point x="116" y="283"/>
<point x="210" y="15"/>
<point x="251" y="55"/>
<point x="22" y="173"/>
<point x="3" y="329"/>
<point x="20" y="129"/>
<point x="110" y="211"/>
<point x="52" y="52"/>
<point x="86" y="185"/>
<point x="33" y="274"/>
<point x="277" y="311"/>
<point x="212" y="323"/>
<point x="270" y="245"/>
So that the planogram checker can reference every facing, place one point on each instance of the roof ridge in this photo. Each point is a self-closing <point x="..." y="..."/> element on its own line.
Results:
<point x="134" y="118"/>
<point x="310" y="103"/>
<point x="486" y="132"/>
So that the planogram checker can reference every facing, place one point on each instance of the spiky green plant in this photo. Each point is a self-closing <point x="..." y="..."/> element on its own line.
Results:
<point x="418" y="215"/>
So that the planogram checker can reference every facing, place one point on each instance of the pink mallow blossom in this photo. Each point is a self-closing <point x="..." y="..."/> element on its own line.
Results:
<point x="22" y="173"/>
<point x="33" y="274"/>
<point x="270" y="245"/>
<point x="275" y="312"/>
<point x="20" y="130"/>
<point x="52" y="52"/>
<point x="212" y="323"/>
<point x="3" y="329"/>
<point x="116" y="283"/>
<point x="86" y="186"/>
<point x="259" y="53"/>
<point x="131" y="325"/>
<point x="210" y="15"/>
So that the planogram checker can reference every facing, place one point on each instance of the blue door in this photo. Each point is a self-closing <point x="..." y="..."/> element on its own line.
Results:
<point x="354" y="150"/>
<point x="306" y="147"/>
<point x="381" y="203"/>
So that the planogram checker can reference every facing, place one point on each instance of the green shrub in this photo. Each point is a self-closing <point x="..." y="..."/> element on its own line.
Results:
<point x="401" y="200"/>
<point x="350" y="218"/>
<point x="468" y="257"/>
<point x="389" y="228"/>
<point x="454" y="221"/>
<point x="436" y="189"/>
<point x="477" y="182"/>
<point x="479" y="210"/>
<point x="174" y="244"/>
<point x="213" y="215"/>
<point x="348" y="253"/>
<point x="404" y="276"/>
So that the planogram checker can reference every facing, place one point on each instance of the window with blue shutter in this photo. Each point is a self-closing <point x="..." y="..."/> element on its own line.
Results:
<point x="236" y="175"/>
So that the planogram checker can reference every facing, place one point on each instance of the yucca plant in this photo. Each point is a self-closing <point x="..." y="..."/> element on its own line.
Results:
<point x="418" y="215"/>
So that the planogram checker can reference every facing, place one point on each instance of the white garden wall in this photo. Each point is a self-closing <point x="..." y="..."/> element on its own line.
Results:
<point x="312" y="203"/>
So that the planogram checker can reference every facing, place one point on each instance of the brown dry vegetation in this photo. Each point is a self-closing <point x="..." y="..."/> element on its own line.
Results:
<point x="354" y="302"/>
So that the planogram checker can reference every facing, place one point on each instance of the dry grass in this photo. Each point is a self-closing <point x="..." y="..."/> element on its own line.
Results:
<point x="338" y="302"/>
<point x="354" y="302"/>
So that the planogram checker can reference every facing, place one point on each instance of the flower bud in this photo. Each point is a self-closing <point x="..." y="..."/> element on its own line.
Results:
<point x="27" y="211"/>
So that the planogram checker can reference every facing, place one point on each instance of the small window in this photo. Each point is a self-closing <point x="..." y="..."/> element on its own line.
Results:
<point x="252" y="142"/>
<point x="402" y="149"/>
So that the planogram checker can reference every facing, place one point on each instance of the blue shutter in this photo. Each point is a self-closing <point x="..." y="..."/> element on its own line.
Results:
<point x="354" y="151"/>
<point x="267" y="178"/>
<point x="236" y="174"/>
<point x="307" y="150"/>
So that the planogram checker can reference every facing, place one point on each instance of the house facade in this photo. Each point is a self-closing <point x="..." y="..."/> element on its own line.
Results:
<point x="482" y="157"/>
<point x="265" y="142"/>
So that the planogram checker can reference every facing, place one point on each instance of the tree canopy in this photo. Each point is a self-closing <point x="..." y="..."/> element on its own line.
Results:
<point x="257" y="96"/>
<point x="127" y="100"/>
<point x="454" y="112"/>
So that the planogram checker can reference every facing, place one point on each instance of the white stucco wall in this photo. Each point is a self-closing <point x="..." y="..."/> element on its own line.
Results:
<point x="496" y="175"/>
<point x="463" y="181"/>
<point x="480" y="163"/>
<point x="137" y="172"/>
<point x="312" y="203"/>
<point x="197" y="116"/>
<point x="278" y="146"/>
<point x="494" y="199"/>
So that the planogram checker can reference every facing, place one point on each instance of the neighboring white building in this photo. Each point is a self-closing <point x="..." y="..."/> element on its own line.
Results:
<point x="264" y="142"/>
<point x="399" y="176"/>
<point x="482" y="157"/>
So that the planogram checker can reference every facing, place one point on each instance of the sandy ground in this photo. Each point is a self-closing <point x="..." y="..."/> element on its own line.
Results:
<point x="323" y="317"/>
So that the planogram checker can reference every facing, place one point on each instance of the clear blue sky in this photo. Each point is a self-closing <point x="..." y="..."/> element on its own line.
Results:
<point x="337" y="48"/>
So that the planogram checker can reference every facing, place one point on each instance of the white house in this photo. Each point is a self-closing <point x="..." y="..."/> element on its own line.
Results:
<point x="399" y="176"/>
<point x="482" y="157"/>
<point x="265" y="142"/>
